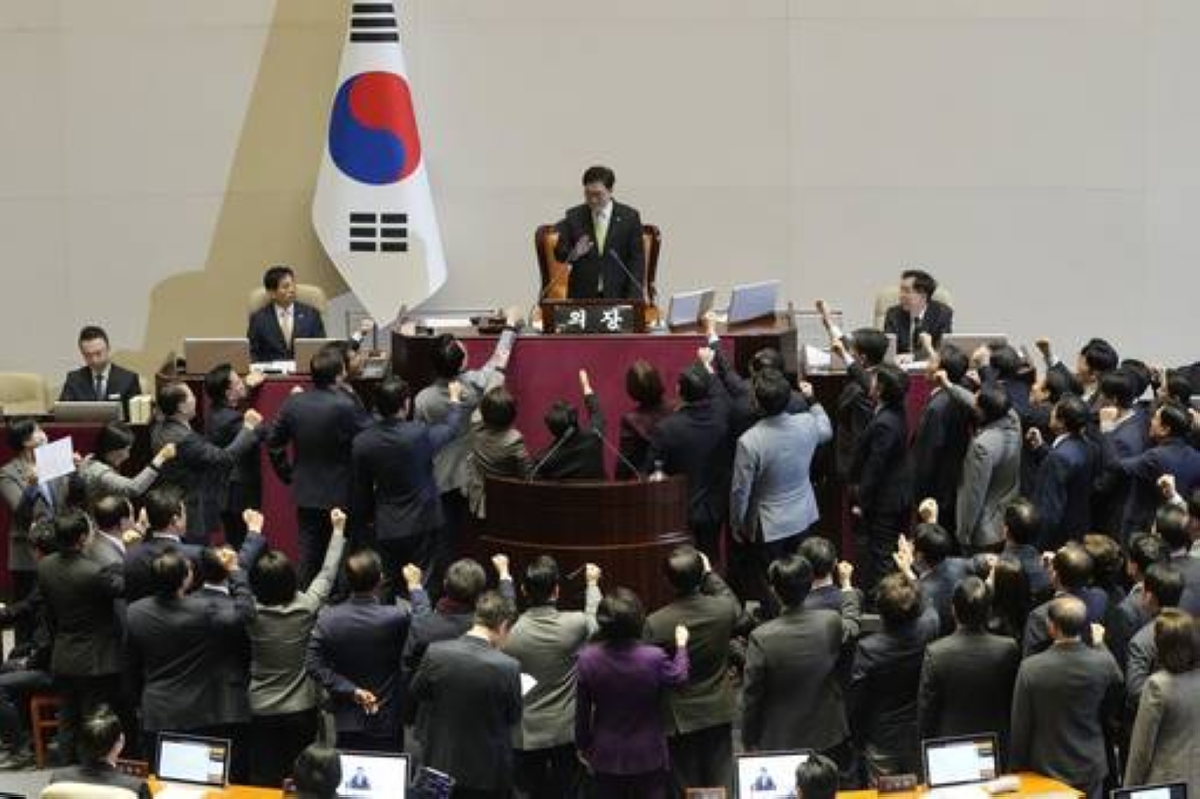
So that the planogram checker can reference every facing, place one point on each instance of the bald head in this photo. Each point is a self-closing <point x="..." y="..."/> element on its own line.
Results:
<point x="1068" y="618"/>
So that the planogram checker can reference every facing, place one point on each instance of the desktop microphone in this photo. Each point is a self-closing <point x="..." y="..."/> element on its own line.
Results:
<point x="621" y="457"/>
<point x="549" y="454"/>
<point x="625" y="269"/>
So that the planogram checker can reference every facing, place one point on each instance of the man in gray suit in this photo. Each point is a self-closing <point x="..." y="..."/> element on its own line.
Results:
<point x="1066" y="704"/>
<point x="991" y="475"/>
<point x="545" y="641"/>
<point x="113" y="516"/>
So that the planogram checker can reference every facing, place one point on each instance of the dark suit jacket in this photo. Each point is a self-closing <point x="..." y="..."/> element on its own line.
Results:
<point x="579" y="454"/>
<point x="79" y="595"/>
<point x="101" y="774"/>
<point x="937" y="586"/>
<point x="1062" y="491"/>
<point x="80" y="386"/>
<point x="359" y="644"/>
<point x="393" y="475"/>
<point x="1113" y="487"/>
<point x="884" y="681"/>
<point x="474" y="695"/>
<point x="742" y="411"/>
<point x="792" y="697"/>
<point x="937" y="321"/>
<point x="243" y="482"/>
<point x="320" y="424"/>
<point x="1171" y="456"/>
<point x="880" y="468"/>
<point x="937" y="454"/>
<point x="852" y="414"/>
<point x="967" y="685"/>
<point x="180" y="650"/>
<point x="266" y="337"/>
<point x="200" y="469"/>
<point x="637" y="428"/>
<point x="139" y="582"/>
<point x="1065" y="701"/>
<point x="623" y="244"/>
<point x="694" y="441"/>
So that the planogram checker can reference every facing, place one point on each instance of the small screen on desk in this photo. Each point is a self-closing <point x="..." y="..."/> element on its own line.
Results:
<point x="768" y="775"/>
<point x="1172" y="790"/>
<point x="959" y="761"/>
<point x="371" y="776"/>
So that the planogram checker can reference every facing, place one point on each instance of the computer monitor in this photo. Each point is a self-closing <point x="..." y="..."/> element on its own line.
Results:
<point x="769" y="775"/>
<point x="87" y="411"/>
<point x="306" y="349"/>
<point x="961" y="760"/>
<point x="372" y="775"/>
<point x="1166" y="790"/>
<point x="753" y="301"/>
<point x="203" y="354"/>
<point x="689" y="307"/>
<point x="193" y="760"/>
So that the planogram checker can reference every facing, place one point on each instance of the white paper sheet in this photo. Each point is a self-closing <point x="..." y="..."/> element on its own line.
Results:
<point x="527" y="683"/>
<point x="54" y="459"/>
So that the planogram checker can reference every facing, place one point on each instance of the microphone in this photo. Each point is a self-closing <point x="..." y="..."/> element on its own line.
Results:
<point x="621" y="457"/>
<point x="549" y="454"/>
<point x="626" y="270"/>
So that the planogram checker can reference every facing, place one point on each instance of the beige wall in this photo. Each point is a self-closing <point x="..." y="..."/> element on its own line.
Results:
<point x="1038" y="155"/>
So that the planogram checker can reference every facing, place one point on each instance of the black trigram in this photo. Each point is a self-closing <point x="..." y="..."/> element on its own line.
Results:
<point x="371" y="232"/>
<point x="374" y="22"/>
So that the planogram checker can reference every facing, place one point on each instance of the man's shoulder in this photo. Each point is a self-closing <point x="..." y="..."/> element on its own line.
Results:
<point x="627" y="210"/>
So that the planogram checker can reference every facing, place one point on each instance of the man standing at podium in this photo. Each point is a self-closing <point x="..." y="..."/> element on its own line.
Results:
<point x="601" y="243"/>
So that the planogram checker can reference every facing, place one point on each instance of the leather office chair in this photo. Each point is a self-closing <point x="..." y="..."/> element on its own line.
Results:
<point x="553" y="272"/>
<point x="306" y="293"/>
<point x="888" y="296"/>
<point x="23" y="393"/>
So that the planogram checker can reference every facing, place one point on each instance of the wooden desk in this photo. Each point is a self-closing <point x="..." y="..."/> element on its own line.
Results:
<point x="1032" y="785"/>
<point x="232" y="792"/>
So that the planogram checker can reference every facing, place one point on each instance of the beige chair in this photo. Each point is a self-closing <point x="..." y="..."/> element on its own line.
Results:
<point x="890" y="295"/>
<point x="23" y="393"/>
<point x="81" y="790"/>
<point x="306" y="293"/>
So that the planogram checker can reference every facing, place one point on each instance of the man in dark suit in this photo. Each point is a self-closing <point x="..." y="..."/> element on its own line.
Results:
<point x="79" y="597"/>
<point x="167" y="517"/>
<point x="967" y="680"/>
<point x="694" y="441"/>
<point x="700" y="711"/>
<point x="395" y="492"/>
<point x="223" y="422"/>
<point x="943" y="435"/>
<point x="101" y="742"/>
<point x="318" y="426"/>
<point x="793" y="685"/>
<point x="1124" y="433"/>
<point x="917" y="312"/>
<point x="1096" y="358"/>
<point x="99" y="378"/>
<point x="939" y="573"/>
<point x="274" y="327"/>
<point x="1066" y="704"/>
<point x="1171" y="454"/>
<point x="355" y="653"/>
<point x="1021" y="527"/>
<point x="1070" y="573"/>
<point x="199" y="468"/>
<point x="863" y="352"/>
<point x="826" y="592"/>
<point x="473" y="692"/>
<point x="601" y="242"/>
<point x="1062" y="490"/>
<point x="577" y="450"/>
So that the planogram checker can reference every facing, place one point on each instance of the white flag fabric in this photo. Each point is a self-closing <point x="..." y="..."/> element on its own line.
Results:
<point x="373" y="210"/>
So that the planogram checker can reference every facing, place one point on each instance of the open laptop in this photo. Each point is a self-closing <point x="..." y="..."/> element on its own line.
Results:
<point x="969" y="342"/>
<point x="753" y="301"/>
<point x="87" y="411"/>
<point x="1167" y="790"/>
<point x="963" y="762"/>
<point x="190" y="766"/>
<point x="203" y="354"/>
<point x="371" y="775"/>
<point x="305" y="349"/>
<point x="689" y="307"/>
<point x="768" y="775"/>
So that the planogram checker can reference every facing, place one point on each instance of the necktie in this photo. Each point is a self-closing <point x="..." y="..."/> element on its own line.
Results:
<point x="601" y="224"/>
<point x="916" y="331"/>
<point x="285" y="324"/>
<point x="99" y="387"/>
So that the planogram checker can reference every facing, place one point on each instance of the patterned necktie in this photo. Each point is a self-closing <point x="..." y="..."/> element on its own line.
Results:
<point x="99" y="387"/>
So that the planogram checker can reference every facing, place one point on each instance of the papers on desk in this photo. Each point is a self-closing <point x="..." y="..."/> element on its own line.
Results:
<point x="274" y="367"/>
<point x="817" y="358"/>
<point x="439" y="322"/>
<point x="54" y="460"/>
<point x="527" y="683"/>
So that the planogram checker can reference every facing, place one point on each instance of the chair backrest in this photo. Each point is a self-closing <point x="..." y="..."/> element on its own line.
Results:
<point x="888" y="296"/>
<point x="23" y="393"/>
<point x="552" y="270"/>
<point x="83" y="790"/>
<point x="306" y="293"/>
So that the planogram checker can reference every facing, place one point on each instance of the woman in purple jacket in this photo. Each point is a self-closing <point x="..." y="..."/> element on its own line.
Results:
<point x="620" y="685"/>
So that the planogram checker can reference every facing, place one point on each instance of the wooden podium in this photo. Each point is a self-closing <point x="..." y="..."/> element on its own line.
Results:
<point x="626" y="528"/>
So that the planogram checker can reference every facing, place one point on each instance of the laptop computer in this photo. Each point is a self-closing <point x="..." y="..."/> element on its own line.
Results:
<point x="753" y="301"/>
<point x="689" y="307"/>
<point x="768" y="775"/>
<point x="305" y="349"/>
<point x="87" y="411"/>
<point x="1166" y="790"/>
<point x="203" y="354"/>
<point x="372" y="775"/>
<point x="960" y="762"/>
<point x="190" y="766"/>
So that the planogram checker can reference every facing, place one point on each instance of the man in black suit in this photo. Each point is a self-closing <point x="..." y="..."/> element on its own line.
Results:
<point x="1070" y="573"/>
<point x="967" y="680"/>
<point x="86" y="658"/>
<point x="275" y="326"/>
<point x="1066" y="705"/>
<point x="577" y="450"/>
<point x="99" y="378"/>
<point x="223" y="422"/>
<point x="826" y="592"/>
<point x="199" y="468"/>
<point x="167" y="516"/>
<point x="601" y="242"/>
<point x="917" y="312"/>
<point x="473" y="693"/>
<point x="937" y="571"/>
<point x="101" y="742"/>
<point x="319" y="426"/>
<point x="942" y="437"/>
<point x="395" y="493"/>
<point x="1062" y="491"/>
<point x="355" y="654"/>
<point x="793" y="685"/>
<point x="863" y="351"/>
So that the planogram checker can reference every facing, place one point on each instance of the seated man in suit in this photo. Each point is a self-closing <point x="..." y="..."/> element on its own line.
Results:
<point x="100" y="743"/>
<point x="99" y="378"/>
<point x="577" y="451"/>
<point x="275" y="326"/>
<point x="917" y="312"/>
<point x="601" y="242"/>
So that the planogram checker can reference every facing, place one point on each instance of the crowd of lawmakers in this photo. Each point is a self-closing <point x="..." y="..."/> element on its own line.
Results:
<point x="1027" y="550"/>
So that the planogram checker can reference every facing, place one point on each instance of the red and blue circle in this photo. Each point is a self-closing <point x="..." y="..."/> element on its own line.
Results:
<point x="373" y="130"/>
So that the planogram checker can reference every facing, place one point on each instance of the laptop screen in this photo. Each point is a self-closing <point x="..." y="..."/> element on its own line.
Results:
<point x="370" y="775"/>
<point x="1173" y="790"/>
<point x="190" y="759"/>
<point x="959" y="761"/>
<point x="768" y="775"/>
